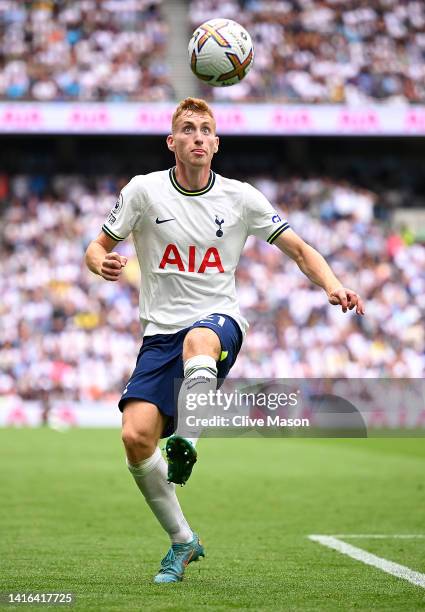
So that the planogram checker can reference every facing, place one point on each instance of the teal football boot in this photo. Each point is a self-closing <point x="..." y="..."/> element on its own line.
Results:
<point x="181" y="457"/>
<point x="177" y="559"/>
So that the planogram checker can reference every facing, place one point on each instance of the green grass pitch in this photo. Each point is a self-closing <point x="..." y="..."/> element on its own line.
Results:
<point x="72" y="520"/>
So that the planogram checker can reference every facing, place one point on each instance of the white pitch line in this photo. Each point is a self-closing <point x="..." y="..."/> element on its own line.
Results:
<point x="381" y="536"/>
<point x="395" y="569"/>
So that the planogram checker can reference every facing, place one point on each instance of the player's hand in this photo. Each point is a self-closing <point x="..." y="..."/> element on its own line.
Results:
<point x="112" y="266"/>
<point x="347" y="299"/>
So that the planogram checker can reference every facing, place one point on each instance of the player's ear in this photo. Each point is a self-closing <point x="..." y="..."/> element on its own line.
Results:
<point x="217" y="142"/>
<point x="170" y="142"/>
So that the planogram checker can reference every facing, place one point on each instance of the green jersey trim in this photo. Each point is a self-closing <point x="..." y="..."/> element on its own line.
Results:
<point x="278" y="232"/>
<point x="187" y="192"/>
<point x="110" y="233"/>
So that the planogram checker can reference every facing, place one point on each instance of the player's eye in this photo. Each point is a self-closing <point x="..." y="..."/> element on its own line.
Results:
<point x="206" y="130"/>
<point x="187" y="129"/>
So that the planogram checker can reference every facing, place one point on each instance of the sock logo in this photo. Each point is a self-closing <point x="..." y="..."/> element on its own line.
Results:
<point x="219" y="232"/>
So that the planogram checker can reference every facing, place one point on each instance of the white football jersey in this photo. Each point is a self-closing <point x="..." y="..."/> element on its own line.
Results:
<point x="188" y="244"/>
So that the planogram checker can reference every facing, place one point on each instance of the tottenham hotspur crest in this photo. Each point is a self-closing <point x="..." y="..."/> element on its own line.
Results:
<point x="219" y="232"/>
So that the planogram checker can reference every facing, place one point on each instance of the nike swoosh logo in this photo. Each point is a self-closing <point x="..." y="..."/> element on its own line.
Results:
<point x="163" y="220"/>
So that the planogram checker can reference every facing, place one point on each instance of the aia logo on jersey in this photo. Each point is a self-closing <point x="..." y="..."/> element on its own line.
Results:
<point x="197" y="262"/>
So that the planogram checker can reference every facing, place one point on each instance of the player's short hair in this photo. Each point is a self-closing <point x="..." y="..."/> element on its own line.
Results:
<point x="196" y="105"/>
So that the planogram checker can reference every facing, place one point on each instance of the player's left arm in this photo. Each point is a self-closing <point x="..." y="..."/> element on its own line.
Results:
<point x="315" y="267"/>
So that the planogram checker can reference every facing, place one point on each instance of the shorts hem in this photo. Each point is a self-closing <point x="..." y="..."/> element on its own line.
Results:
<point x="123" y="401"/>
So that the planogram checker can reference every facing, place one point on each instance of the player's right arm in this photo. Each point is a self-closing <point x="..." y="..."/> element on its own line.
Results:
<point x="124" y="216"/>
<point x="103" y="260"/>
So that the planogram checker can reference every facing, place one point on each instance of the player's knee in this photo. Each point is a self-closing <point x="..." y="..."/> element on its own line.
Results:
<point x="201" y="341"/>
<point x="138" y="441"/>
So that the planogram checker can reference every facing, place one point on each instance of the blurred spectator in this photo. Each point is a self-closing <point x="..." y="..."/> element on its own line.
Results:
<point x="328" y="51"/>
<point x="88" y="50"/>
<point x="68" y="333"/>
<point x="306" y="51"/>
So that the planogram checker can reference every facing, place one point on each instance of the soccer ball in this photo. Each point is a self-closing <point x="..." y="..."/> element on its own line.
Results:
<point x="220" y="52"/>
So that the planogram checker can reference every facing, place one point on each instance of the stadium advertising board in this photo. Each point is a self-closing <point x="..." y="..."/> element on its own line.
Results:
<point x="251" y="407"/>
<point x="232" y="119"/>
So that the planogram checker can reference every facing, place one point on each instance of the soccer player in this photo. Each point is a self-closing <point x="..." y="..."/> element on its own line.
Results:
<point x="189" y="226"/>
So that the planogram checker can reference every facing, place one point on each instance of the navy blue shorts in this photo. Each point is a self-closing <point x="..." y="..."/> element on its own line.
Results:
<point x="160" y="362"/>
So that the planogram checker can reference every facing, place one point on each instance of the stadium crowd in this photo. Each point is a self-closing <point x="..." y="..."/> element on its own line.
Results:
<point x="88" y="50"/>
<point x="327" y="51"/>
<point x="67" y="333"/>
<point x="306" y="51"/>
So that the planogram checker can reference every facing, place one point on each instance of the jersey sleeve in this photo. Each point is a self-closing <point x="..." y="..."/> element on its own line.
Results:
<point x="127" y="211"/>
<point x="261" y="218"/>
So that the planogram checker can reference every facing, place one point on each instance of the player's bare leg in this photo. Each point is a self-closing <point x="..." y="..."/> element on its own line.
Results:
<point x="201" y="341"/>
<point x="201" y="351"/>
<point x="142" y="426"/>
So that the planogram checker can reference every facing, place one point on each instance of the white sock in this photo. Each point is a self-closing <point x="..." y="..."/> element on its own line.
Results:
<point x="204" y="369"/>
<point x="151" y="478"/>
<point x="200" y="365"/>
